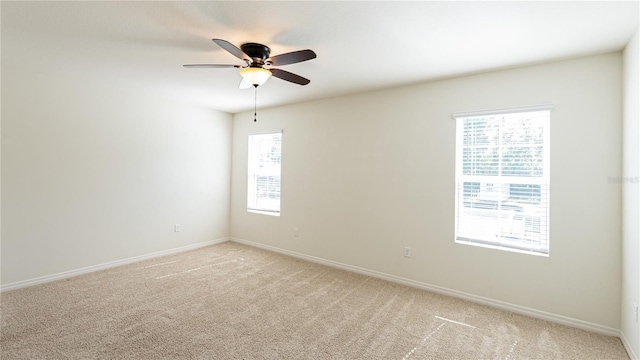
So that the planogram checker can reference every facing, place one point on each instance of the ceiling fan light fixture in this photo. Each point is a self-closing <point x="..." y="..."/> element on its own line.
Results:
<point x="255" y="76"/>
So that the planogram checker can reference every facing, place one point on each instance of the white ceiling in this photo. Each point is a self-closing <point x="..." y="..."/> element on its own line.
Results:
<point x="141" y="46"/>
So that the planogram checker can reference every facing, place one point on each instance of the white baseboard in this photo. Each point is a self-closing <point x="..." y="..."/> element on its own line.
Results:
<point x="580" y="324"/>
<point x="88" y="269"/>
<point x="627" y="346"/>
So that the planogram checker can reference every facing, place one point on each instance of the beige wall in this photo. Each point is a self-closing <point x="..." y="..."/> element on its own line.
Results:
<point x="631" y="196"/>
<point x="92" y="174"/>
<point x="365" y="175"/>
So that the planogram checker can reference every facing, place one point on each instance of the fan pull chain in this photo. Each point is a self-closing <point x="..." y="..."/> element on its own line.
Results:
<point x="255" y="103"/>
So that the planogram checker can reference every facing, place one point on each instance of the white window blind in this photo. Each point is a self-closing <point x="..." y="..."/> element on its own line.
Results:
<point x="502" y="179"/>
<point x="263" y="186"/>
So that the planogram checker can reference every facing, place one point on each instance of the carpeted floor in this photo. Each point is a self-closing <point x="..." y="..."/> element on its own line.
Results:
<point x="231" y="301"/>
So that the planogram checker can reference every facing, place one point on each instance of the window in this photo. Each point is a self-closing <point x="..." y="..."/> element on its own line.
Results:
<point x="502" y="179"/>
<point x="263" y="190"/>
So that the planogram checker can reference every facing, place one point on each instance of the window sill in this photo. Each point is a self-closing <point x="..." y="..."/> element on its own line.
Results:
<point x="270" y="213"/>
<point x="503" y="248"/>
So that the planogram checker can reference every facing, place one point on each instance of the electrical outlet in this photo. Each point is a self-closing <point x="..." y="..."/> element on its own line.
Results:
<point x="296" y="232"/>
<point x="176" y="228"/>
<point x="407" y="252"/>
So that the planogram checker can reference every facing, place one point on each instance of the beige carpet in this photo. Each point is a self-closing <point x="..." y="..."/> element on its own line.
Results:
<point x="231" y="301"/>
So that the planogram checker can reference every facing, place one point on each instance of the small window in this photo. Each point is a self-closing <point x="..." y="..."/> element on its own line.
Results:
<point x="263" y="190"/>
<point x="502" y="179"/>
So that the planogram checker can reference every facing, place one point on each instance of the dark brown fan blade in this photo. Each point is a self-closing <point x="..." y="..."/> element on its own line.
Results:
<point x="232" y="49"/>
<point x="292" y="57"/>
<point x="291" y="77"/>
<point x="210" y="66"/>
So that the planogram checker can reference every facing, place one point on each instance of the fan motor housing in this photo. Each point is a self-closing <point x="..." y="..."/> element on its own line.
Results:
<point x="256" y="51"/>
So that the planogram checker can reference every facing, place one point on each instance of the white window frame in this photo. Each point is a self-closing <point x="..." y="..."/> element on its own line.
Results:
<point x="256" y="169"/>
<point x="469" y="229"/>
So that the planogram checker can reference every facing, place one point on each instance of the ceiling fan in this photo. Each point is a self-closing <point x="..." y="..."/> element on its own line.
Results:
<point x="259" y="66"/>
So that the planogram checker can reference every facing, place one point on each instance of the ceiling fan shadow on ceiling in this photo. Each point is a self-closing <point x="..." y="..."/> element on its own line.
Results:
<point x="259" y="65"/>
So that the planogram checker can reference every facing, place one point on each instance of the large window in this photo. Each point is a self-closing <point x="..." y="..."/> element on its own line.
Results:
<point x="502" y="179"/>
<point x="263" y="190"/>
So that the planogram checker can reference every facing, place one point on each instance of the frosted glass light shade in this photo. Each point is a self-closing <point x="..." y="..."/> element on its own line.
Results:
<point x="255" y="76"/>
